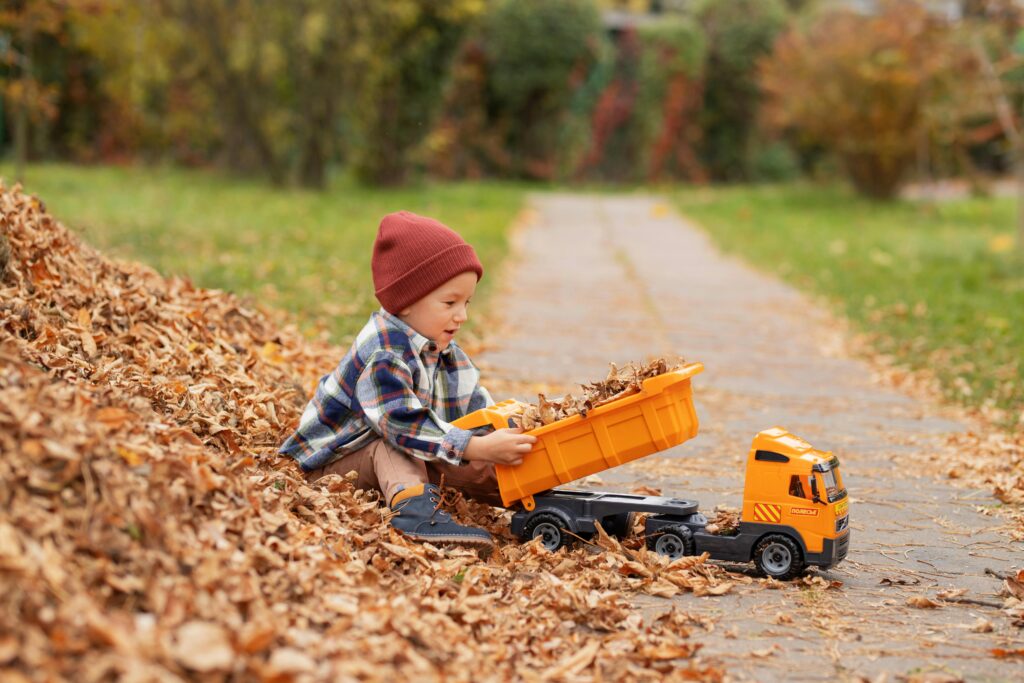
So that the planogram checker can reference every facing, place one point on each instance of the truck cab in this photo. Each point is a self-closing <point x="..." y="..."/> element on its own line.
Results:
<point x="795" y="509"/>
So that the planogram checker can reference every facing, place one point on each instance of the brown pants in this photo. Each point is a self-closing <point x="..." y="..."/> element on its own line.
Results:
<point x="382" y="467"/>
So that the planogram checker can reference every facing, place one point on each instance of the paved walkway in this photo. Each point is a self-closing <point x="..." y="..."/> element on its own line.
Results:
<point x="598" y="279"/>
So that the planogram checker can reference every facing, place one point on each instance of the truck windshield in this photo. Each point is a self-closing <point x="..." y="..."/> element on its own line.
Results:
<point x="832" y="489"/>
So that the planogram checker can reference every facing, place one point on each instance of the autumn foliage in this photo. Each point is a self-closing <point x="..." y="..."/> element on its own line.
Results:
<point x="148" y="531"/>
<point x="863" y="87"/>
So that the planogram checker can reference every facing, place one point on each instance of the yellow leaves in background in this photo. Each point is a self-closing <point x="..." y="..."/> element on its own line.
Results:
<point x="1001" y="244"/>
<point x="659" y="210"/>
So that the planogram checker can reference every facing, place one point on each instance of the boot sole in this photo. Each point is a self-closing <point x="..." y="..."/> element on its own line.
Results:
<point x="445" y="538"/>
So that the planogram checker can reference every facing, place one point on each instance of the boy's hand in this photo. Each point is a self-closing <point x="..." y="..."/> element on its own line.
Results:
<point x="502" y="447"/>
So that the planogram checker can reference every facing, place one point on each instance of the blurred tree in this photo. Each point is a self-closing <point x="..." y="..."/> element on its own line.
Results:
<point x="404" y="57"/>
<point x="466" y="142"/>
<point x="254" y="84"/>
<point x="644" y="124"/>
<point x="521" y="87"/>
<point x="995" y="29"/>
<point x="616" y="146"/>
<point x="673" y="85"/>
<point x="26" y="27"/>
<point x="868" y="88"/>
<point x="738" y="34"/>
<point x="539" y="54"/>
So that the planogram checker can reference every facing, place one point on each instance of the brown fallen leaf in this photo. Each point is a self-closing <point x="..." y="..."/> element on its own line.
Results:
<point x="922" y="602"/>
<point x="899" y="581"/>
<point x="203" y="646"/>
<point x="288" y="660"/>
<point x="113" y="417"/>
<point x="982" y="625"/>
<point x="1014" y="586"/>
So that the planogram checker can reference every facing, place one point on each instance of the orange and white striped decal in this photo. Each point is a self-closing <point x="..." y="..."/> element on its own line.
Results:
<point x="765" y="512"/>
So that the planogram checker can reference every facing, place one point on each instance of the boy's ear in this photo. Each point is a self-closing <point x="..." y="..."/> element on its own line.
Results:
<point x="404" y="312"/>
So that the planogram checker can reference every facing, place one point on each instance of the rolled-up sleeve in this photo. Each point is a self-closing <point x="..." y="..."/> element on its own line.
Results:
<point x="386" y="396"/>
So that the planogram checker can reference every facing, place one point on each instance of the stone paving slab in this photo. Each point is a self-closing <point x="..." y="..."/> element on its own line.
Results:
<point x="617" y="278"/>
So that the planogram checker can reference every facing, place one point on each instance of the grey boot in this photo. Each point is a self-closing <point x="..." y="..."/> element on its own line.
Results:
<point x="419" y="516"/>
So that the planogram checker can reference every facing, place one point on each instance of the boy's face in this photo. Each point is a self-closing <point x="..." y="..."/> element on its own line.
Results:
<point x="440" y="314"/>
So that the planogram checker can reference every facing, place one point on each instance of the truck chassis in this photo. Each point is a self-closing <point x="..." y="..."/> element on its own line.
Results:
<point x="674" y="527"/>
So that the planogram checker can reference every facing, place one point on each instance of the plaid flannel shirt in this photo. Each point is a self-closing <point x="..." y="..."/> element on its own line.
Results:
<point x="393" y="384"/>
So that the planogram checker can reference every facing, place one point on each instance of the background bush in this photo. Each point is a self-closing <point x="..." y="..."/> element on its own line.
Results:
<point x="738" y="34"/>
<point x="507" y="106"/>
<point x="644" y="122"/>
<point x="538" y="89"/>
<point x="870" y="89"/>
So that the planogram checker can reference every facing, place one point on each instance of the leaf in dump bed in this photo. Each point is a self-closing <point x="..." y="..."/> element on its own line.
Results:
<point x="618" y="384"/>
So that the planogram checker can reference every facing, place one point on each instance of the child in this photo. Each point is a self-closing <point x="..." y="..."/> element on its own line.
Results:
<point x="385" y="412"/>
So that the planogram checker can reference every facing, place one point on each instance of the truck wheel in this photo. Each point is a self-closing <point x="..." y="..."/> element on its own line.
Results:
<point x="672" y="541"/>
<point x="779" y="557"/>
<point x="552" y="530"/>
<point x="619" y="525"/>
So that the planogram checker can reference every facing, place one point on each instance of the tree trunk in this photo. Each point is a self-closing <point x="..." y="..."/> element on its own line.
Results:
<point x="21" y="107"/>
<point x="1004" y="113"/>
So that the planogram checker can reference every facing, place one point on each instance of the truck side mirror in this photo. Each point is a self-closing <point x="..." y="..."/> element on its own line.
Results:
<point x="814" y="490"/>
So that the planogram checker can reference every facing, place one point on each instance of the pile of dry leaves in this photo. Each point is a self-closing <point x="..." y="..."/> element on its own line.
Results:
<point x="618" y="384"/>
<point x="992" y="459"/>
<point x="148" y="531"/>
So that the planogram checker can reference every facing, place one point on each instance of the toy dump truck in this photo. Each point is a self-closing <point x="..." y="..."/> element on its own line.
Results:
<point x="795" y="509"/>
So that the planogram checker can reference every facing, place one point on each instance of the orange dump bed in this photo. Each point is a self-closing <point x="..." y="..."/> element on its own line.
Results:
<point x="659" y="417"/>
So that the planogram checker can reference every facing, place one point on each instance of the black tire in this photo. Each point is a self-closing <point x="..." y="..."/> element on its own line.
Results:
<point x="673" y="541"/>
<point x="779" y="557"/>
<point x="619" y="525"/>
<point x="552" y="529"/>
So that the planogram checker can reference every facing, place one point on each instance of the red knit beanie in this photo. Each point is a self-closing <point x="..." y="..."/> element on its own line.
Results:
<point x="413" y="256"/>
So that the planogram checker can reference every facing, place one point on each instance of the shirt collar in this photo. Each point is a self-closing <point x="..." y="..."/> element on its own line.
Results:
<point x="419" y="343"/>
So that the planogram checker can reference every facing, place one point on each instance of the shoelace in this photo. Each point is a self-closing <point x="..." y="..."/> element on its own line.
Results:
<point x="447" y="498"/>
<point x="438" y="511"/>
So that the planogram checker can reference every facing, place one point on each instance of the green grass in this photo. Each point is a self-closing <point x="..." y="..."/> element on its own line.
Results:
<point x="938" y="286"/>
<point x="304" y="252"/>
